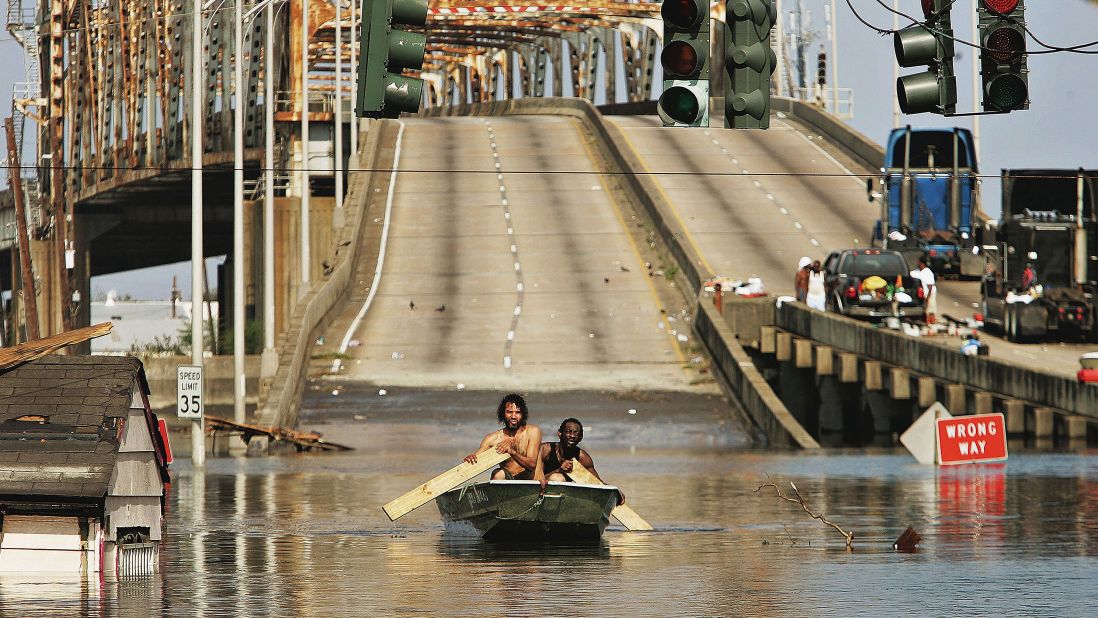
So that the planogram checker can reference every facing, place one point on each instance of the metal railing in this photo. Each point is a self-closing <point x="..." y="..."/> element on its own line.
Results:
<point x="136" y="559"/>
<point x="824" y="97"/>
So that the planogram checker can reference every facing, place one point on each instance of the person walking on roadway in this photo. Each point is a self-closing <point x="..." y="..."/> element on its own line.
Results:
<point x="817" y="293"/>
<point x="930" y="290"/>
<point x="800" y="280"/>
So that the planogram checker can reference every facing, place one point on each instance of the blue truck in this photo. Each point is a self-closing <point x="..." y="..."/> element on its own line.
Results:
<point x="929" y="200"/>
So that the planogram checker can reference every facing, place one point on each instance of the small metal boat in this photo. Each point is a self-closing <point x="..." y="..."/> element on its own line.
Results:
<point x="517" y="511"/>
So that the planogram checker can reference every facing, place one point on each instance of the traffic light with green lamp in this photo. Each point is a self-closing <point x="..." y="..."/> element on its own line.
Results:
<point x="928" y="44"/>
<point x="685" y="62"/>
<point x="1003" y="54"/>
<point x="386" y="50"/>
<point x="749" y="61"/>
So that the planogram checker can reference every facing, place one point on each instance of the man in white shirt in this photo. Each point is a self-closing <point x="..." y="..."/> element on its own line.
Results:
<point x="930" y="290"/>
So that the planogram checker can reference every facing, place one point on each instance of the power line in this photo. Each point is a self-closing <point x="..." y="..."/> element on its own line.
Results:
<point x="1050" y="49"/>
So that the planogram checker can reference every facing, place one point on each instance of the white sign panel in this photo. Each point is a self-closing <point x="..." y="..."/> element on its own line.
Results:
<point x="188" y="391"/>
<point x="921" y="438"/>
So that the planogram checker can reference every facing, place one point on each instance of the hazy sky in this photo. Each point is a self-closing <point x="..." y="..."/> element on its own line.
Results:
<point x="1061" y="86"/>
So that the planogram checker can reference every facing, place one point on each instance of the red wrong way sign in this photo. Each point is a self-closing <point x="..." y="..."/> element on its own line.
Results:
<point x="971" y="439"/>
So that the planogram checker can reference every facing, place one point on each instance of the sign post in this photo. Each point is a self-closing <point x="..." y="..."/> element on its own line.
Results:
<point x="971" y="439"/>
<point x="188" y="391"/>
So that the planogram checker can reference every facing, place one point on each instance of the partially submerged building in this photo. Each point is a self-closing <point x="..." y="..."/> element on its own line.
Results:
<point x="83" y="467"/>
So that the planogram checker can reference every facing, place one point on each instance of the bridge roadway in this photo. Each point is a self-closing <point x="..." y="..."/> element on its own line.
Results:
<point x="543" y="284"/>
<point x="754" y="202"/>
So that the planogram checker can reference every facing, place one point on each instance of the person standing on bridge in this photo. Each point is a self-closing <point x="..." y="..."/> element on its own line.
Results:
<point x="519" y="440"/>
<point x="817" y="293"/>
<point x="930" y="289"/>
<point x="800" y="280"/>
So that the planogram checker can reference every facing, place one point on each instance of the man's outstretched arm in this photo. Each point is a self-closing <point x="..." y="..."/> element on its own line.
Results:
<point x="488" y="440"/>
<point x="585" y="458"/>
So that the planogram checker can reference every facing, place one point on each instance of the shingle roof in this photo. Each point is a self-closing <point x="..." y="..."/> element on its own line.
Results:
<point x="72" y="453"/>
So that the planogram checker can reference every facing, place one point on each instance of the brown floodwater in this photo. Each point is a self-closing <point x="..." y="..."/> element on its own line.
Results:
<point x="304" y="534"/>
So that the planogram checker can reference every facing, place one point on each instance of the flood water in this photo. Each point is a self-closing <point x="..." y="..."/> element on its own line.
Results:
<point x="304" y="534"/>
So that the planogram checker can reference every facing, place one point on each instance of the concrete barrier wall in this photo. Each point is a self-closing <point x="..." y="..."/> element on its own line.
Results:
<point x="744" y="380"/>
<point x="313" y="310"/>
<point x="869" y="152"/>
<point x="944" y="363"/>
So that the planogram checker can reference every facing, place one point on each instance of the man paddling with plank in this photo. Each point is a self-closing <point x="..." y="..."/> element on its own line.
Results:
<point x="517" y="439"/>
<point x="557" y="457"/>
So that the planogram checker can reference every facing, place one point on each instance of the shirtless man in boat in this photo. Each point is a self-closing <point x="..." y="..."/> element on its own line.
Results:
<point x="517" y="439"/>
<point x="556" y="457"/>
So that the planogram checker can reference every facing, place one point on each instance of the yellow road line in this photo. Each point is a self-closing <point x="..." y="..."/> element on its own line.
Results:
<point x="710" y="271"/>
<point x="632" y="245"/>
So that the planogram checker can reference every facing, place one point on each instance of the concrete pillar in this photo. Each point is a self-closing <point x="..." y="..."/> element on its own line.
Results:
<point x="848" y="367"/>
<point x="955" y="398"/>
<point x="766" y="339"/>
<point x="783" y="346"/>
<point x="803" y="349"/>
<point x="1042" y="423"/>
<point x="1015" y="412"/>
<point x="1076" y="427"/>
<point x="900" y="387"/>
<point x="873" y="381"/>
<point x="981" y="402"/>
<point x="928" y="391"/>
<point x="824" y="361"/>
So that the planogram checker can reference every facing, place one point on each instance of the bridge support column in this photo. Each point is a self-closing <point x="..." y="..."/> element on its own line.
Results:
<point x="1076" y="427"/>
<point x="803" y="353"/>
<point x="873" y="380"/>
<point x="981" y="402"/>
<point x="1015" y="412"/>
<point x="783" y="343"/>
<point x="928" y="391"/>
<point x="955" y="398"/>
<point x="848" y="367"/>
<point x="900" y="387"/>
<point x="824" y="361"/>
<point x="1043" y="423"/>
<point x="766" y="339"/>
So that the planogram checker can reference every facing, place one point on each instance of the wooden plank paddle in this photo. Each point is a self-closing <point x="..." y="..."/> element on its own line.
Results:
<point x="486" y="460"/>
<point x="622" y="512"/>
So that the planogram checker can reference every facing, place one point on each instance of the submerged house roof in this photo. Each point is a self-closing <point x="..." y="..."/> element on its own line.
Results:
<point x="61" y="422"/>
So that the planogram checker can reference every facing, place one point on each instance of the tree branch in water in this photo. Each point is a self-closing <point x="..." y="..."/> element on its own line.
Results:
<point x="849" y="536"/>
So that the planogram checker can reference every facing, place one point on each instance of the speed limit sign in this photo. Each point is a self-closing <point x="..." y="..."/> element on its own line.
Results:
<point x="188" y="391"/>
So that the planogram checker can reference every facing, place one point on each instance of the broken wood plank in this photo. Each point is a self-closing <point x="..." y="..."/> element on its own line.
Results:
<point x="18" y="354"/>
<point x="623" y="513"/>
<point x="303" y="440"/>
<point x="486" y="460"/>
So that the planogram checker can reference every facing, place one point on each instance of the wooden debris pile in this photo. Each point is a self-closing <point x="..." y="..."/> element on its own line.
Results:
<point x="304" y="441"/>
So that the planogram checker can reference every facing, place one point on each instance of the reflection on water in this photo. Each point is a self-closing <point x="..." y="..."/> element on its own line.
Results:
<point x="303" y="535"/>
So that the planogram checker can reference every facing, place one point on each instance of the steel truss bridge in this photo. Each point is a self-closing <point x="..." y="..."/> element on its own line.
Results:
<point x="103" y="114"/>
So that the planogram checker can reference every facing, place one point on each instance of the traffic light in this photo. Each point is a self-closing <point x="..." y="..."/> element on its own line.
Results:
<point x="685" y="61"/>
<point x="821" y="68"/>
<point x="748" y="61"/>
<point x="1003" y="54"/>
<point x="928" y="44"/>
<point x="386" y="50"/>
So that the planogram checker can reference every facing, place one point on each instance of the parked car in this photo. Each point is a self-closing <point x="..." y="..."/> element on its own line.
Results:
<point x="872" y="283"/>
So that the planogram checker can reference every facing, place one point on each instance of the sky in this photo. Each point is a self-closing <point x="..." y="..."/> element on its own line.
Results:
<point x="1062" y="87"/>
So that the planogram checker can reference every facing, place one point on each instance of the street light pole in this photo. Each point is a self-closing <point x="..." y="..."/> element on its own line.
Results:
<point x="895" y="68"/>
<point x="337" y="134"/>
<point x="354" y="80"/>
<point x="834" y="59"/>
<point x="268" y="195"/>
<point x="198" y="434"/>
<point x="305" y="188"/>
<point x="238" y="214"/>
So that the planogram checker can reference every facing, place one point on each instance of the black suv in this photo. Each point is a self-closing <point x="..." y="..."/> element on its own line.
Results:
<point x="845" y="275"/>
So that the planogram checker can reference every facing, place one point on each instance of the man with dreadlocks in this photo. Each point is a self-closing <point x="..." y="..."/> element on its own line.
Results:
<point x="519" y="440"/>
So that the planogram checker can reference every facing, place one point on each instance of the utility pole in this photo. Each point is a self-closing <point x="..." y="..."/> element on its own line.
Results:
<point x="305" y="189"/>
<point x="238" y="214"/>
<point x="30" y="301"/>
<point x="198" y="264"/>
<point x="834" y="60"/>
<point x="354" y="79"/>
<point x="337" y="134"/>
<point x="895" y="68"/>
<point x="270" y="358"/>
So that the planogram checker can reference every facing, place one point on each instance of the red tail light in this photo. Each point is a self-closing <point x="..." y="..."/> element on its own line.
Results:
<point x="921" y="292"/>
<point x="851" y="291"/>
